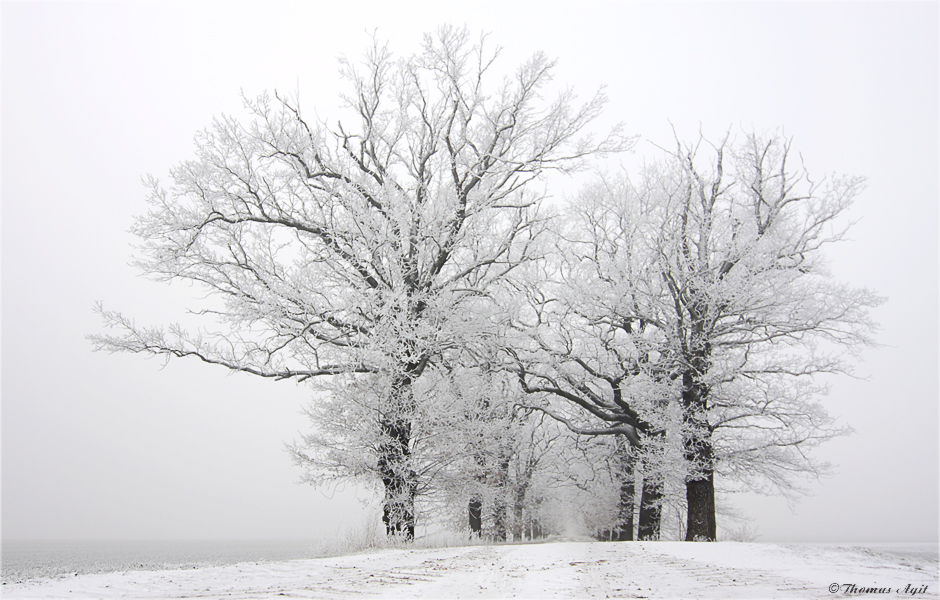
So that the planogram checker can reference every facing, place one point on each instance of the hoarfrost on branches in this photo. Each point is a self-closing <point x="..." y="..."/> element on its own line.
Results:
<point x="373" y="247"/>
<point x="706" y="280"/>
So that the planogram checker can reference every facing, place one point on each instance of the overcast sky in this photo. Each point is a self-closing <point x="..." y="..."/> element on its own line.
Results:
<point x="94" y="96"/>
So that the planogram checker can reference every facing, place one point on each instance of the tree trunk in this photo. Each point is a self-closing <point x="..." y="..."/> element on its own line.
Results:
<point x="650" y="510"/>
<point x="651" y="496"/>
<point x="700" y="485"/>
<point x="518" y="512"/>
<point x="500" y="529"/>
<point x="519" y="497"/>
<point x="534" y="529"/>
<point x="399" y="480"/>
<point x="500" y="512"/>
<point x="475" y="506"/>
<point x="475" y="512"/>
<point x="700" y="499"/>
<point x="623" y="531"/>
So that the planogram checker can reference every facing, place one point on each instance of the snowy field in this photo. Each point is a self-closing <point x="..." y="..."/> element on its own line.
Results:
<point x="564" y="569"/>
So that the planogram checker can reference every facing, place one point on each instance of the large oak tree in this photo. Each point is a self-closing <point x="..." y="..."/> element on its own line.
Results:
<point x="365" y="245"/>
<point x="697" y="307"/>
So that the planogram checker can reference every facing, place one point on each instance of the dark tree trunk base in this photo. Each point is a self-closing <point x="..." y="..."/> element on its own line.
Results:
<point x="399" y="522"/>
<point x="399" y="480"/>
<point x="700" y="499"/>
<point x="475" y="513"/>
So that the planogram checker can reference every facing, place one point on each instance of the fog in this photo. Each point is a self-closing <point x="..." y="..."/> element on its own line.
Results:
<point x="95" y="96"/>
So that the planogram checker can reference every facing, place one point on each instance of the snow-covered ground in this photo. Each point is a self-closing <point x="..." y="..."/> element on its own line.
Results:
<point x="564" y="569"/>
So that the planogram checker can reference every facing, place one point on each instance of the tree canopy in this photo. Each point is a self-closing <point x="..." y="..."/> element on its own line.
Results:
<point x="372" y="247"/>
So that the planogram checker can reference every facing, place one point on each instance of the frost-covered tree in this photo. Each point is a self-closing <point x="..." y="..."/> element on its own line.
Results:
<point x="366" y="245"/>
<point x="598" y="373"/>
<point x="709" y="273"/>
<point x="476" y="456"/>
<point x="489" y="450"/>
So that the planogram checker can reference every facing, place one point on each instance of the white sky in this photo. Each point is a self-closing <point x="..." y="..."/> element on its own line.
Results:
<point x="94" y="96"/>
